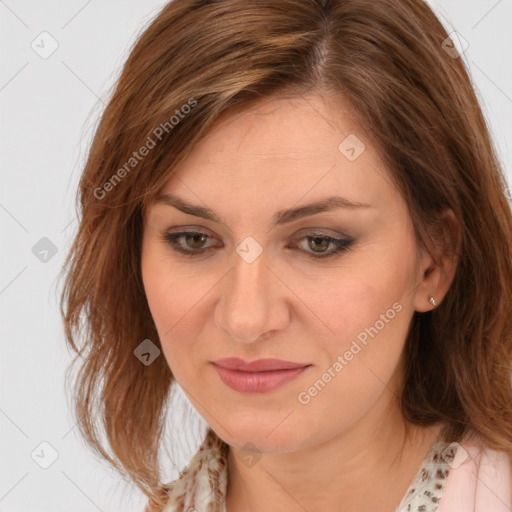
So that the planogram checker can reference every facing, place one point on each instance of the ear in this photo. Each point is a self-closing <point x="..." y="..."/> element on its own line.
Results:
<point x="435" y="279"/>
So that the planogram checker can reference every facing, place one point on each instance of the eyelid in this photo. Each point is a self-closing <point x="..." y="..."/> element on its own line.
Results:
<point x="313" y="231"/>
<point x="307" y="231"/>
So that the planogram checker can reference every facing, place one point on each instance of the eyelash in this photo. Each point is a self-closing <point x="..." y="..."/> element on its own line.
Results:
<point x="341" y="245"/>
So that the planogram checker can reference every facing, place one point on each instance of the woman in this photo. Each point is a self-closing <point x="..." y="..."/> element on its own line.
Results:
<point x="298" y="203"/>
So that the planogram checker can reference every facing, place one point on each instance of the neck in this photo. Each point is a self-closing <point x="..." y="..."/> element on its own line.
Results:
<point x="368" y="466"/>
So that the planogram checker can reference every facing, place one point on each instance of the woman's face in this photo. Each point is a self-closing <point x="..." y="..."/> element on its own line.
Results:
<point x="263" y="279"/>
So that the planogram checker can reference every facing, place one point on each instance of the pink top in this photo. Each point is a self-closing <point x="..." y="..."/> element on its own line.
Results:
<point x="480" y="480"/>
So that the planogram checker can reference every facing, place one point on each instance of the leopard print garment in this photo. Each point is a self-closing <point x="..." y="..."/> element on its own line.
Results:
<point x="201" y="487"/>
<point x="425" y="490"/>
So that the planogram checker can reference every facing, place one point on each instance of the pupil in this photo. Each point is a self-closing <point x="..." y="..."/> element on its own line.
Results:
<point x="324" y="242"/>
<point x="197" y="238"/>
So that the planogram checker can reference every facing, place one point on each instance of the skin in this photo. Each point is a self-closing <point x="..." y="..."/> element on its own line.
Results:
<point x="348" y="446"/>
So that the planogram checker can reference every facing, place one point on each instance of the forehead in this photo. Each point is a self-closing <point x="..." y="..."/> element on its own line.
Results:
<point x="292" y="134"/>
<point x="288" y="128"/>
<point x="281" y="152"/>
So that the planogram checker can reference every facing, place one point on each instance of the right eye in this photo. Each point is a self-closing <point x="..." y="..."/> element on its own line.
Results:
<point x="193" y="240"/>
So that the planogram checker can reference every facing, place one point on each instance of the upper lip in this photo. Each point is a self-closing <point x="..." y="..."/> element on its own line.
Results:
<point x="260" y="365"/>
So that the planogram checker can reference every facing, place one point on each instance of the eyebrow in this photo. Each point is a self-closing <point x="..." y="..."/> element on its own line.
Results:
<point x="279" y="218"/>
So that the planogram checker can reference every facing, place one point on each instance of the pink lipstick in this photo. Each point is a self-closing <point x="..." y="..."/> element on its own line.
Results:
<point x="258" y="376"/>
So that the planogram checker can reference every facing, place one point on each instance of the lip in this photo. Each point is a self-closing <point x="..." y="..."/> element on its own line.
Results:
<point x="260" y="365"/>
<point x="259" y="376"/>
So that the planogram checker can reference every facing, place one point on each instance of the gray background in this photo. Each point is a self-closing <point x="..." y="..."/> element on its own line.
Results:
<point x="49" y="108"/>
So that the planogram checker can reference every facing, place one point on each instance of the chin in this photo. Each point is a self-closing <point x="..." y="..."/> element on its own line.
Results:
<point x="261" y="433"/>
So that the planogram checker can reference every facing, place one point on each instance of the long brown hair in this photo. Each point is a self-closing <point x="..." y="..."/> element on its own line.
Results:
<point x="199" y="58"/>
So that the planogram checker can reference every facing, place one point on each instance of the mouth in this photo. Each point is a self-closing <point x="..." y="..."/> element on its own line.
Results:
<point x="259" y="376"/>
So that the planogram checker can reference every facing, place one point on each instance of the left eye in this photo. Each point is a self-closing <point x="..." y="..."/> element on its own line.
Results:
<point x="195" y="240"/>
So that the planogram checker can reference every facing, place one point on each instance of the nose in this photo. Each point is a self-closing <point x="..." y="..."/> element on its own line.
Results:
<point x="253" y="302"/>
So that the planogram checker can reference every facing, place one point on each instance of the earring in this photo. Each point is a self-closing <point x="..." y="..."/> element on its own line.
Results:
<point x="432" y="301"/>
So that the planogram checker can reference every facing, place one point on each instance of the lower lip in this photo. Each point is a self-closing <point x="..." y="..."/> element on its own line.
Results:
<point x="257" y="382"/>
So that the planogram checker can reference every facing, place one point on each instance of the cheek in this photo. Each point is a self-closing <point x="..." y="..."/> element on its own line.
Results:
<point x="174" y="304"/>
<point x="367" y="300"/>
<point x="171" y="294"/>
<point x="362" y="356"/>
<point x="177" y="299"/>
<point x="368" y="311"/>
